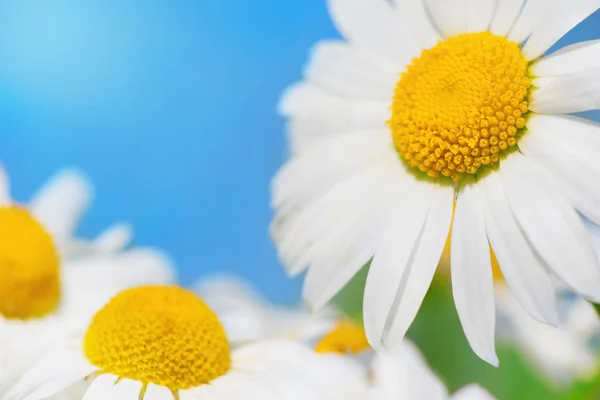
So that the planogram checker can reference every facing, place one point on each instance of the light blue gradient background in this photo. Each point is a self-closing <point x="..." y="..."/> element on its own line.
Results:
<point x="170" y="108"/>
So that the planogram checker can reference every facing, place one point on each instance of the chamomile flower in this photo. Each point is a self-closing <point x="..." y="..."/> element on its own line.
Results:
<point x="47" y="277"/>
<point x="403" y="374"/>
<point x="434" y="114"/>
<point x="165" y="343"/>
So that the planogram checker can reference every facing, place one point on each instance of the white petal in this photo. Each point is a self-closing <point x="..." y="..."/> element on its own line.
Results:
<point x="520" y="267"/>
<point x="126" y="389"/>
<point x="338" y="378"/>
<point x="414" y="13"/>
<point x="317" y="115"/>
<point x="5" y="198"/>
<point x="570" y="59"/>
<point x="553" y="227"/>
<point x="308" y="176"/>
<point x="341" y="200"/>
<point x="114" y="239"/>
<point x="480" y="14"/>
<point x="252" y="356"/>
<point x="90" y="282"/>
<point x="472" y="392"/>
<point x="343" y="248"/>
<point x="306" y="134"/>
<point x="450" y="16"/>
<point x="52" y="387"/>
<point x="391" y="259"/>
<point x="568" y="147"/>
<point x="236" y="386"/>
<point x="532" y="14"/>
<point x="194" y="394"/>
<point x="293" y="372"/>
<point x="560" y="20"/>
<point x="204" y="392"/>
<point x="471" y="269"/>
<point x="310" y="101"/>
<point x="111" y="241"/>
<point x="505" y="16"/>
<point x="404" y="374"/>
<point x="349" y="71"/>
<point x="373" y="24"/>
<point x="101" y="388"/>
<point x="332" y="270"/>
<point x="576" y="92"/>
<point x="51" y="375"/>
<point x="61" y="203"/>
<point x="155" y="392"/>
<point x="423" y="263"/>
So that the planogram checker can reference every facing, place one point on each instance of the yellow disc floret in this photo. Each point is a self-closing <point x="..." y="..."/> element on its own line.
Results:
<point x="461" y="105"/>
<point x="29" y="266"/>
<point x="346" y="337"/>
<point x="163" y="335"/>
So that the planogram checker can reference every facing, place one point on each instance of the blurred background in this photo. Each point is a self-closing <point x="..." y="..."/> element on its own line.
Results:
<point x="170" y="109"/>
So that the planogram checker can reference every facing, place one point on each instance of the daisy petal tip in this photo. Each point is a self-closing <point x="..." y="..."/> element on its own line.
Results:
<point x="491" y="358"/>
<point x="373" y="339"/>
<point x="285" y="106"/>
<point x="293" y="272"/>
<point x="76" y="179"/>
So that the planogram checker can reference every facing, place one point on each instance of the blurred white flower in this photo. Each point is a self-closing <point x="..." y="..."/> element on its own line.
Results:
<point x="49" y="278"/>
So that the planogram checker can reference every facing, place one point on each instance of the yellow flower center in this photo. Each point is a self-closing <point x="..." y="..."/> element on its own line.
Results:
<point x="29" y="266"/>
<point x="163" y="335"/>
<point x="461" y="105"/>
<point x="346" y="337"/>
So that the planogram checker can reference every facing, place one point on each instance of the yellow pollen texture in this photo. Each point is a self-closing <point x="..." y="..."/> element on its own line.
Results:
<point x="461" y="105"/>
<point x="346" y="337"/>
<point x="29" y="266"/>
<point x="163" y="335"/>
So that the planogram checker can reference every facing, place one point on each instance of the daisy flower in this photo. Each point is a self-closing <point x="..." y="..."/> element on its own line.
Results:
<point x="403" y="374"/>
<point x="47" y="277"/>
<point x="439" y="114"/>
<point x="165" y="343"/>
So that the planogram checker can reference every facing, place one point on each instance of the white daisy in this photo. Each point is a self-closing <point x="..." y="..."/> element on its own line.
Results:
<point x="403" y="374"/>
<point x="164" y="343"/>
<point x="47" y="277"/>
<point x="424" y="105"/>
